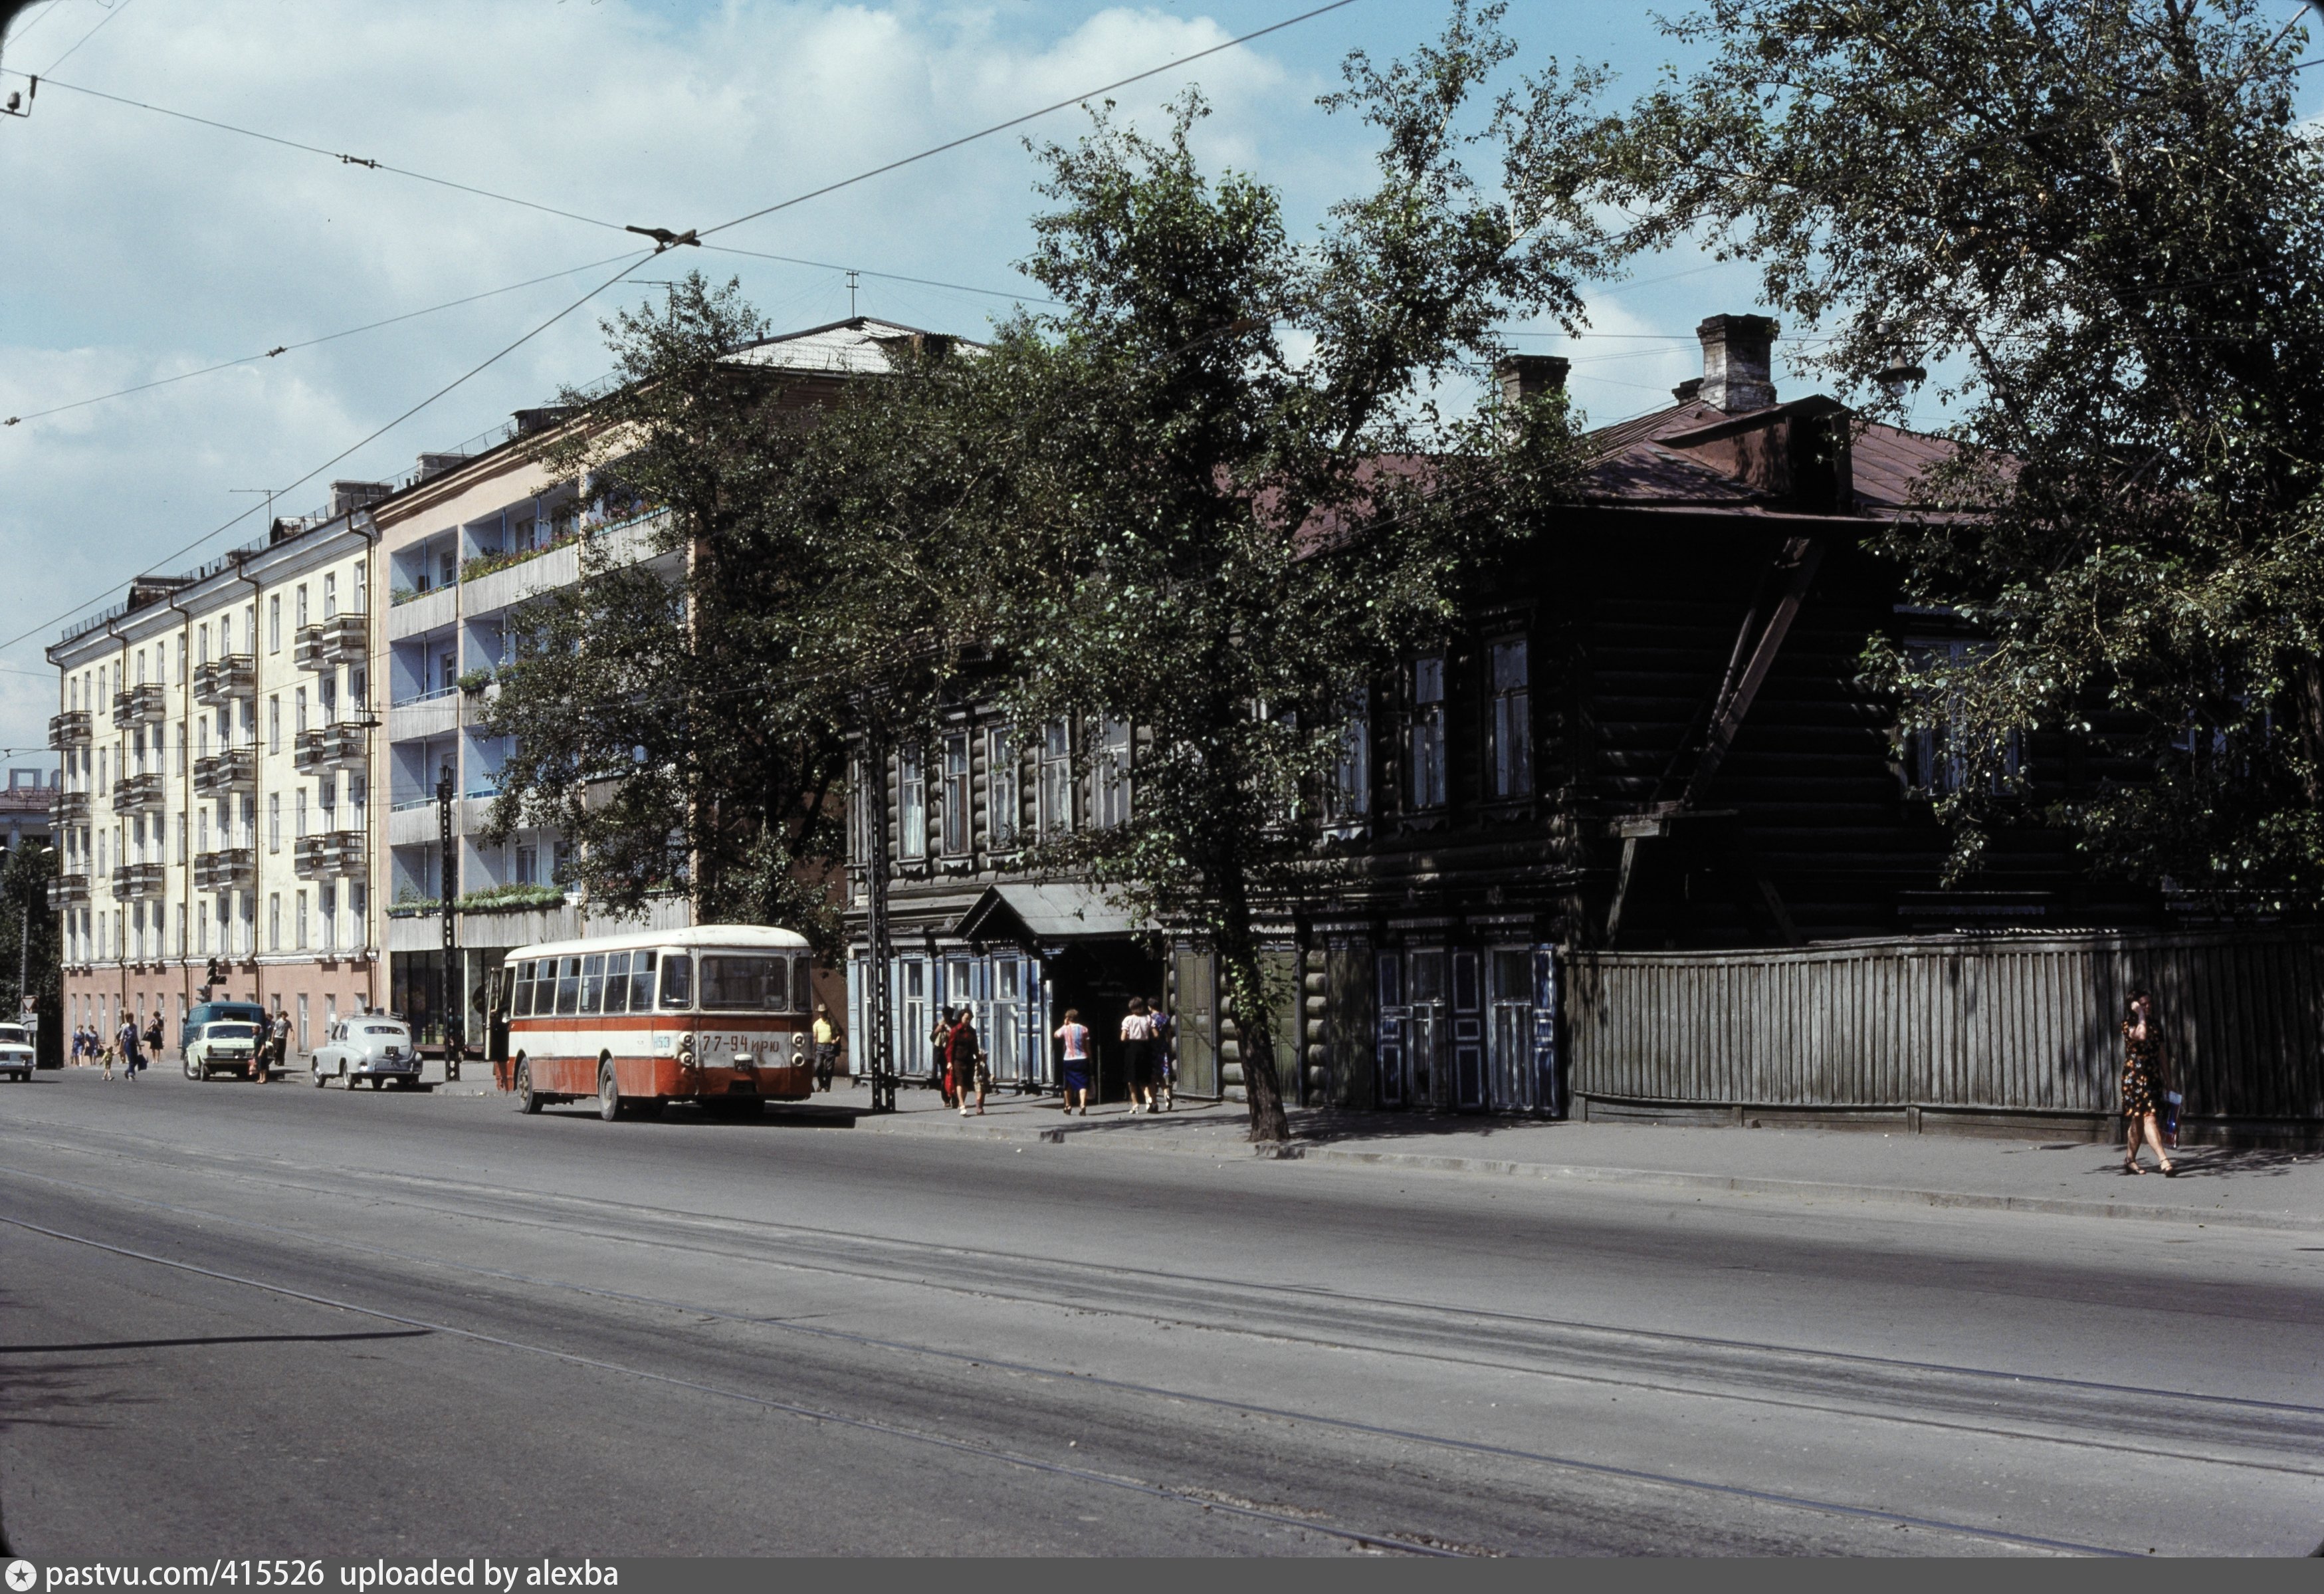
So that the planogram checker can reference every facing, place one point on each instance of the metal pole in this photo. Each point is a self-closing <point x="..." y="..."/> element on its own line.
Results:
<point x="878" y="995"/>
<point x="446" y="895"/>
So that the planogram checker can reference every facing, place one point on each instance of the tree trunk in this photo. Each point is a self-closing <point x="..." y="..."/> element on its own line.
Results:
<point x="1246" y="983"/>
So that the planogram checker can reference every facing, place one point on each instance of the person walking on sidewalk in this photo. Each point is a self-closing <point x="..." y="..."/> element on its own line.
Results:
<point x="965" y="1057"/>
<point x="1073" y="1036"/>
<point x="276" y="1052"/>
<point x="153" y="1037"/>
<point x="104" y="1057"/>
<point x="130" y="1062"/>
<point x="1166" y="1056"/>
<point x="826" y="1047"/>
<point x="940" y="1051"/>
<point x="2146" y="1075"/>
<point x="1137" y="1054"/>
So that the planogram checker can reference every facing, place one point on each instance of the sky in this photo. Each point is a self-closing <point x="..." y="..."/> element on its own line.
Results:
<point x="137" y="247"/>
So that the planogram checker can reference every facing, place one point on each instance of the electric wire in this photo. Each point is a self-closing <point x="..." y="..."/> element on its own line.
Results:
<point x="120" y="6"/>
<point x="473" y="371"/>
<point x="311" y="342"/>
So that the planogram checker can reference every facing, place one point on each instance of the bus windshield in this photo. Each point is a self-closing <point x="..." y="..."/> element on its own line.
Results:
<point x="736" y="982"/>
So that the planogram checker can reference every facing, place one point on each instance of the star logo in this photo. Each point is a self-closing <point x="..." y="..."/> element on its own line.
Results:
<point x="22" y="1576"/>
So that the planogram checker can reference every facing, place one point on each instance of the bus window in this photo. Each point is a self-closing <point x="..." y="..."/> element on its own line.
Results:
<point x="507" y="1002"/>
<point x="617" y="982"/>
<point x="733" y="982"/>
<point x="592" y="982"/>
<point x="568" y="984"/>
<point x="521" y="1005"/>
<point x="802" y="987"/>
<point x="678" y="981"/>
<point x="641" y="972"/>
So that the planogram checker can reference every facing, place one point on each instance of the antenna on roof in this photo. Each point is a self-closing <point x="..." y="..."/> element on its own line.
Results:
<point x="850" y="295"/>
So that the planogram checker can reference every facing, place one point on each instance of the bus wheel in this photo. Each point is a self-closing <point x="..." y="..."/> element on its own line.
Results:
<point x="609" y="1095"/>
<point x="528" y="1099"/>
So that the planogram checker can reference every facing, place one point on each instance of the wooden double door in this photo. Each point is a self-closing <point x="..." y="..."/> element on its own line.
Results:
<point x="1468" y="1029"/>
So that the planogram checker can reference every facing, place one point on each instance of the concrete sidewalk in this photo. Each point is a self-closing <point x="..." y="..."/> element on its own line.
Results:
<point x="2250" y="1189"/>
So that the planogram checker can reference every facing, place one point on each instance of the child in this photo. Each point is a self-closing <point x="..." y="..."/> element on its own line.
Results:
<point x="107" y="1058"/>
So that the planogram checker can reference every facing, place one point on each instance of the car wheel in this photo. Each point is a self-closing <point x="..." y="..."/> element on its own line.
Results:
<point x="609" y="1094"/>
<point x="191" y="1071"/>
<point x="528" y="1099"/>
<point x="318" y="1072"/>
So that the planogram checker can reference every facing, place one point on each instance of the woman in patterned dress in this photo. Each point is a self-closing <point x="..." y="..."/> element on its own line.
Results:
<point x="2144" y="1080"/>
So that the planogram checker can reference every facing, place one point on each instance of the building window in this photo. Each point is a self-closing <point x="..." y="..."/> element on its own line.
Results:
<point x="860" y="807"/>
<point x="526" y="868"/>
<point x="1113" y="773"/>
<point x="298" y="708"/>
<point x="275" y="923"/>
<point x="358" y="930"/>
<point x="447" y="672"/>
<point x="1000" y="777"/>
<point x="302" y="922"/>
<point x="955" y="795"/>
<point x="1427" y="733"/>
<point x="326" y="905"/>
<point x="331" y="595"/>
<point x="299" y="813"/>
<point x="301" y="621"/>
<point x="274" y="624"/>
<point x="911" y="804"/>
<point x="561" y="860"/>
<point x="275" y="723"/>
<point x="362" y="575"/>
<point x="275" y="821"/>
<point x="1055" y="778"/>
<point x="1510" y="725"/>
<point x="1936" y="756"/>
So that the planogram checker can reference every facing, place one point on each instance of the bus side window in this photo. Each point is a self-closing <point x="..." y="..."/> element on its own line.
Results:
<point x="802" y="987"/>
<point x="522" y="1007"/>
<point x="641" y="973"/>
<point x="617" y="982"/>
<point x="568" y="986"/>
<point x="592" y="982"/>
<point x="678" y="981"/>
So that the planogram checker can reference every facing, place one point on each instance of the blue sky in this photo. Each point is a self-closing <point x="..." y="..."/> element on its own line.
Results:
<point x="136" y="247"/>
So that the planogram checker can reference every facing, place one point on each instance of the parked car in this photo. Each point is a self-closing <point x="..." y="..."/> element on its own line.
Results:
<point x="15" y="1051"/>
<point x="368" y="1046"/>
<point x="223" y="1037"/>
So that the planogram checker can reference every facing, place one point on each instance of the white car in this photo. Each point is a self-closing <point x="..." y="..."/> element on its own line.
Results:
<point x="225" y="1045"/>
<point x="15" y="1051"/>
<point x="369" y="1046"/>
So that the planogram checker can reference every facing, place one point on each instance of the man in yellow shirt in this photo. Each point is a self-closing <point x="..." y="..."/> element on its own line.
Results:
<point x="826" y="1047"/>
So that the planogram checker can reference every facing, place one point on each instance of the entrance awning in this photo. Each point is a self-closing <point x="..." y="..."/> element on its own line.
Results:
<point x="1037" y="915"/>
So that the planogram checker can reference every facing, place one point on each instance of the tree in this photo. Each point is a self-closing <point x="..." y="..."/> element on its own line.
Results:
<point x="667" y="713"/>
<point x="24" y="875"/>
<point x="2100" y="221"/>
<point x="1218" y="541"/>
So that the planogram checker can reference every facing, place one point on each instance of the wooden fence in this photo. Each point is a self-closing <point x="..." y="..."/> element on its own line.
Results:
<point x="2003" y="1023"/>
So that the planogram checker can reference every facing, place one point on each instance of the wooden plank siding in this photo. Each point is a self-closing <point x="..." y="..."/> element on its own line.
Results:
<point x="2026" y="1023"/>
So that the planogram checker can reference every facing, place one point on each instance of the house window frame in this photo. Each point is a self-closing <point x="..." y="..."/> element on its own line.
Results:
<point x="1427" y="783"/>
<point x="959" y="771"/>
<point x="1508" y="718"/>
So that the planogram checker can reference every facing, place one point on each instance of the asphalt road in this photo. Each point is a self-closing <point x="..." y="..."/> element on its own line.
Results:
<point x="275" y="1320"/>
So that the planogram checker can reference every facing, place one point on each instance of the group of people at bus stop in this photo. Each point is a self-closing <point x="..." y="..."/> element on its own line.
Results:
<point x="963" y="1068"/>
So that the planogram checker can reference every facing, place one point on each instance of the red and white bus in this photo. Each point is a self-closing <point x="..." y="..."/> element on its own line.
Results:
<point x="717" y="1015"/>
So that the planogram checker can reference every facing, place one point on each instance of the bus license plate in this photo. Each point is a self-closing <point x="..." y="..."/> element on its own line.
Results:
<point x="741" y="1087"/>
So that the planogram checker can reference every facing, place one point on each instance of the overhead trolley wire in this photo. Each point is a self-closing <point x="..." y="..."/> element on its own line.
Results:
<point x="473" y="371"/>
<point x="310" y="342"/>
<point x="1017" y="121"/>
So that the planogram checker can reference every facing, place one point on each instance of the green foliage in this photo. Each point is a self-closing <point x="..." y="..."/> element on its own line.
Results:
<point x="24" y="875"/>
<point x="2101" y="219"/>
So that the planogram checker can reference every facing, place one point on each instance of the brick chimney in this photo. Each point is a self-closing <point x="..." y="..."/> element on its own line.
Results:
<point x="1521" y="376"/>
<point x="1738" y="353"/>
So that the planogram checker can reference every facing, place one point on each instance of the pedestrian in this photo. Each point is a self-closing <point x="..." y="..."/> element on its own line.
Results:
<point x="2145" y="1074"/>
<point x="1137" y="1054"/>
<point x="105" y="1057"/>
<point x="72" y="1055"/>
<point x="276" y="1052"/>
<point x="827" y="1040"/>
<point x="1073" y="1036"/>
<point x="130" y="1061"/>
<point x="966" y="1057"/>
<point x="153" y="1037"/>
<point x="940" y="1049"/>
<point x="1166" y="1056"/>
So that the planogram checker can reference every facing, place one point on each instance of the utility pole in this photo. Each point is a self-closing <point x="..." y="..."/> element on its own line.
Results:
<point x="880" y="1014"/>
<point x="449" y="892"/>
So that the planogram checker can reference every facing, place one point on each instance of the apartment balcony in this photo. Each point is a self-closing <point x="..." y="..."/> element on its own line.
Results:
<point x="68" y="808"/>
<point x="68" y="891"/>
<point x="138" y="793"/>
<point x="330" y="855"/>
<point x="140" y="705"/>
<point x="233" y="770"/>
<point x="224" y="680"/>
<point x="138" y="880"/>
<point x="69" y="729"/>
<point x="230" y="868"/>
<point x="340" y="744"/>
<point x="343" y="639"/>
